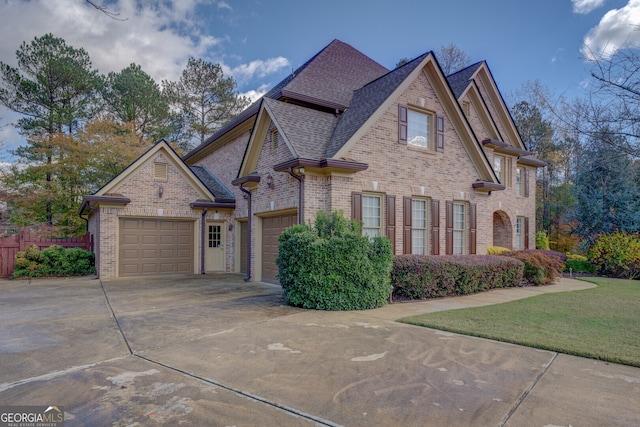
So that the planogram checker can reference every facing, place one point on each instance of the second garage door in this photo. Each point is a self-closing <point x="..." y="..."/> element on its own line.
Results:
<point x="272" y="227"/>
<point x="152" y="246"/>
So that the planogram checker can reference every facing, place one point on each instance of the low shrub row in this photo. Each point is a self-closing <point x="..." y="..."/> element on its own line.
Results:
<point x="418" y="276"/>
<point x="53" y="261"/>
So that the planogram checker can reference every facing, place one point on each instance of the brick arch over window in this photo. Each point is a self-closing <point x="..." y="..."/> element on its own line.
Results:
<point x="502" y="230"/>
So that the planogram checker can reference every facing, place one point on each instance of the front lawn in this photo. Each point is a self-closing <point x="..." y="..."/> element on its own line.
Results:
<point x="600" y="323"/>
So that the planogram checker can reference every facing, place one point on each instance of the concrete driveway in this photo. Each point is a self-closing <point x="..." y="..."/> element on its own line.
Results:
<point x="215" y="351"/>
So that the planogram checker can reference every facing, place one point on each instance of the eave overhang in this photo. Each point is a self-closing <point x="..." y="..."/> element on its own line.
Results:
<point x="109" y="199"/>
<point x="487" y="187"/>
<point x="202" y="204"/>
<point x="504" y="148"/>
<point x="249" y="181"/>
<point x="531" y="161"/>
<point x="344" y="166"/>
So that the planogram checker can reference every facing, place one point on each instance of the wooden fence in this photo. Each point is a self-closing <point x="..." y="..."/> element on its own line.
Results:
<point x="10" y="246"/>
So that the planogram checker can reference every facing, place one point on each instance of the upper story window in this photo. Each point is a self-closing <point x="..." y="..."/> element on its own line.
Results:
<point x="418" y="128"/>
<point x="421" y="128"/>
<point x="498" y="165"/>
<point x="371" y="215"/>
<point x="466" y="107"/>
<point x="519" y="182"/>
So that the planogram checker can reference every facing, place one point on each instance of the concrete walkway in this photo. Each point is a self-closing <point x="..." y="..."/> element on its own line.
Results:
<point x="215" y="351"/>
<point x="496" y="296"/>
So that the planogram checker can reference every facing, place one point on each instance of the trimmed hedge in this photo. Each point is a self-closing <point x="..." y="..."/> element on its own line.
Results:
<point x="333" y="267"/>
<point x="427" y="276"/>
<point x="53" y="261"/>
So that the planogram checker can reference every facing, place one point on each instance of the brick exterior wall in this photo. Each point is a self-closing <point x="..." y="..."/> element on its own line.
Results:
<point x="394" y="170"/>
<point x="141" y="188"/>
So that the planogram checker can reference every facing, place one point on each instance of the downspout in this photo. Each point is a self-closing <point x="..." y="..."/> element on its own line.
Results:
<point x="247" y="278"/>
<point x="202" y="239"/>
<point x="300" y="195"/>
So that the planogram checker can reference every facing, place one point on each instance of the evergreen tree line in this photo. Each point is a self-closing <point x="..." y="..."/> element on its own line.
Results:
<point x="82" y="128"/>
<point x="592" y="147"/>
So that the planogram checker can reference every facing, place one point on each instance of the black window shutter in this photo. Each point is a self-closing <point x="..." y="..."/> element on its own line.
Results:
<point x="391" y="221"/>
<point x="440" y="134"/>
<point x="526" y="233"/>
<point x="406" y="222"/>
<point x="435" y="227"/>
<point x="526" y="182"/>
<point x="356" y="206"/>
<point x="449" y="227"/>
<point x="402" y="124"/>
<point x="472" y="229"/>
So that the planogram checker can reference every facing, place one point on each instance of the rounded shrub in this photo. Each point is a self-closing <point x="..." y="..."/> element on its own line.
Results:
<point x="616" y="254"/>
<point x="333" y="267"/>
<point x="542" y="240"/>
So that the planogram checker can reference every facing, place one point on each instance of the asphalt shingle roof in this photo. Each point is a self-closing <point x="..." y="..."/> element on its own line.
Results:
<point x="366" y="101"/>
<point x="460" y="80"/>
<point x="334" y="73"/>
<point x="330" y="76"/>
<point x="211" y="182"/>
<point x="308" y="130"/>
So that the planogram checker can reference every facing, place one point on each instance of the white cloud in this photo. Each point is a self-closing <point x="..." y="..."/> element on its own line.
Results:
<point x="617" y="28"/>
<point x="158" y="35"/>
<point x="586" y="6"/>
<point x="256" y="94"/>
<point x="259" y="68"/>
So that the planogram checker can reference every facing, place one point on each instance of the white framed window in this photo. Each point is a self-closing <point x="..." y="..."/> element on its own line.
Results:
<point x="498" y="166"/>
<point x="519" y="182"/>
<point x="519" y="230"/>
<point x="459" y="228"/>
<point x="371" y="215"/>
<point x="419" y="226"/>
<point x="419" y="128"/>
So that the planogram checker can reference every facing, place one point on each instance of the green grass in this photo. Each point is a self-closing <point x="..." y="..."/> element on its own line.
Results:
<point x="600" y="323"/>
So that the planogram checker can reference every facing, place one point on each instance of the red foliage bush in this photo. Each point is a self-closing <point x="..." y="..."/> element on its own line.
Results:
<point x="426" y="276"/>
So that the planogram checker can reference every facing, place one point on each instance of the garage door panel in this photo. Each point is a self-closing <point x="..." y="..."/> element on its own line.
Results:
<point x="149" y="239"/>
<point x="168" y="239"/>
<point x="272" y="227"/>
<point x="153" y="246"/>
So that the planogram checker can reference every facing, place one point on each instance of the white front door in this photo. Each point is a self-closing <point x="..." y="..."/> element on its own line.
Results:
<point x="214" y="250"/>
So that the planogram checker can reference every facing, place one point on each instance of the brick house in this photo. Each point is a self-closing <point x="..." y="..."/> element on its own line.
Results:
<point x="434" y="162"/>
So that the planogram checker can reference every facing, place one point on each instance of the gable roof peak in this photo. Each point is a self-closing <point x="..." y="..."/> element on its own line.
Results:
<point x="460" y="80"/>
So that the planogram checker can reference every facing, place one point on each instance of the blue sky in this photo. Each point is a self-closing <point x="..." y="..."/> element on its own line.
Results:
<point x="260" y="41"/>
